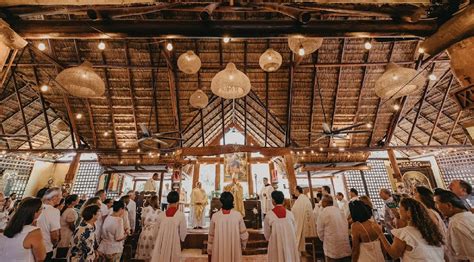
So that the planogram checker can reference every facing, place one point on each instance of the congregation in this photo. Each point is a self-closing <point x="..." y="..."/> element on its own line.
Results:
<point x="420" y="226"/>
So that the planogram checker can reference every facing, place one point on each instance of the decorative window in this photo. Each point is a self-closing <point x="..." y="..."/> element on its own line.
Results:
<point x="15" y="174"/>
<point x="87" y="178"/>
<point x="456" y="165"/>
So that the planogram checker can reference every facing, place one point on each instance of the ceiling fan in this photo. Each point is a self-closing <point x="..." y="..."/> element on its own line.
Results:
<point x="7" y="137"/>
<point x="341" y="133"/>
<point x="157" y="137"/>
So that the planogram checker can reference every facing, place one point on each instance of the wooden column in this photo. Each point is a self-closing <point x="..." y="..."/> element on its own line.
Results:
<point x="195" y="174"/>
<point x="71" y="172"/>
<point x="250" y="177"/>
<point x="290" y="172"/>
<point x="160" y="191"/>
<point x="271" y="167"/>
<point x="393" y="162"/>
<point x="310" y="183"/>
<point x="217" y="184"/>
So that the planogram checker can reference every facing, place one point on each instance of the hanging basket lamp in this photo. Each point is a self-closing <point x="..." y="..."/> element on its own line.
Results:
<point x="398" y="81"/>
<point x="304" y="45"/>
<point x="230" y="83"/>
<point x="198" y="99"/>
<point x="81" y="81"/>
<point x="270" y="60"/>
<point x="189" y="63"/>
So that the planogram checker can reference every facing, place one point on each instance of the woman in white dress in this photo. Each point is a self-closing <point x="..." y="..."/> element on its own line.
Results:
<point x="146" y="242"/>
<point x="420" y="240"/>
<point x="68" y="219"/>
<point x="365" y="244"/>
<point x="21" y="241"/>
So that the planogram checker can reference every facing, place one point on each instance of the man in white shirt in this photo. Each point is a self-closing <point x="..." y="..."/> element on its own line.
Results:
<point x="164" y="194"/>
<point x="304" y="218"/>
<point x="333" y="231"/>
<point x="343" y="204"/>
<point x="353" y="194"/>
<point x="132" y="210"/>
<point x="389" y="216"/>
<point x="150" y="184"/>
<point x="460" y="237"/>
<point x="266" y="196"/>
<point x="49" y="220"/>
<point x="463" y="190"/>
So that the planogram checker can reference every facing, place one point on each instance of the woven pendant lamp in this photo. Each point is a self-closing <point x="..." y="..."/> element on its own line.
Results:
<point x="230" y="83"/>
<point x="270" y="60"/>
<point x="461" y="54"/>
<point x="198" y="99"/>
<point x="304" y="45"/>
<point x="397" y="81"/>
<point x="189" y="63"/>
<point x="81" y="81"/>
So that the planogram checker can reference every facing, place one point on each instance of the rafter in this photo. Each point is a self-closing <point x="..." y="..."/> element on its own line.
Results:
<point x="172" y="81"/>
<point x="314" y="86"/>
<point x="109" y="101"/>
<point x="451" y="81"/>
<point x="339" y="75"/>
<point x="454" y="126"/>
<point x="20" y="105"/>
<point x="132" y="90"/>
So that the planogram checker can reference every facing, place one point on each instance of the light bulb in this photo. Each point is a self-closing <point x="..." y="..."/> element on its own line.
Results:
<point x="301" y="51"/>
<point x="341" y="149"/>
<point x="138" y="161"/>
<point x="396" y="107"/>
<point x="138" y="150"/>
<point x="367" y="45"/>
<point x="44" y="88"/>
<point x="226" y="39"/>
<point x="368" y="125"/>
<point x="395" y="77"/>
<point x="101" y="45"/>
<point x="124" y="150"/>
<point x="334" y="144"/>
<point x="41" y="46"/>
<point x="421" y="50"/>
<point x="106" y="133"/>
<point x="321" y="149"/>
<point x="121" y="161"/>
<point x="78" y="116"/>
<point x="169" y="47"/>
<point x="432" y="77"/>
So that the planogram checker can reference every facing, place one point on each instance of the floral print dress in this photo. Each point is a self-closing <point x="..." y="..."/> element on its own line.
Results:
<point x="83" y="243"/>
<point x="147" y="239"/>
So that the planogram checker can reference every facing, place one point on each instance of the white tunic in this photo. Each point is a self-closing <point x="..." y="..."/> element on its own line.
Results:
<point x="12" y="250"/>
<point x="305" y="221"/>
<point x="461" y="236"/>
<point x="333" y="230"/>
<point x="69" y="216"/>
<point x="132" y="213"/>
<point x="170" y="232"/>
<point x="150" y="185"/>
<point x="227" y="236"/>
<point x="344" y="207"/>
<point x="112" y="230"/>
<point x="421" y="250"/>
<point x="280" y="233"/>
<point x="266" y="198"/>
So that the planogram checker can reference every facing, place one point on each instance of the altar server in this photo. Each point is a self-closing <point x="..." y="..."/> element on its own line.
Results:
<point x="170" y="231"/>
<point x="279" y="230"/>
<point x="304" y="218"/>
<point x="266" y="196"/>
<point x="227" y="233"/>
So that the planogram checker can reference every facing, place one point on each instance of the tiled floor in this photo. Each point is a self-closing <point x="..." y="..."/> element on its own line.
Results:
<point x="194" y="255"/>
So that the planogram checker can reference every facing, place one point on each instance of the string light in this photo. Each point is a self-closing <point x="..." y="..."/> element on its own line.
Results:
<point x="432" y="77"/>
<point x="44" y="88"/>
<point x="138" y="150"/>
<point x="395" y="77"/>
<point x="312" y="151"/>
<point x="101" y="45"/>
<point x="341" y="149"/>
<point x="138" y="161"/>
<point x="396" y="107"/>
<point x="150" y="154"/>
<point x="367" y="45"/>
<point x="421" y="50"/>
<point x="368" y="125"/>
<point x="321" y="149"/>
<point x="169" y="46"/>
<point x="226" y="39"/>
<point x="78" y="116"/>
<point x="41" y="46"/>
<point x="106" y="133"/>
<point x="124" y="150"/>
<point x="121" y="161"/>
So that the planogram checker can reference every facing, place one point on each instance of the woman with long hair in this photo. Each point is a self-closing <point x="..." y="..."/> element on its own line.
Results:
<point x="68" y="218"/>
<point x="420" y="240"/>
<point x="146" y="242"/>
<point x="21" y="240"/>
<point x="365" y="244"/>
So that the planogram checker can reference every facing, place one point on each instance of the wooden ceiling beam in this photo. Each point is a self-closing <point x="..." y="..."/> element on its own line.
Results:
<point x="435" y="124"/>
<point x="174" y="93"/>
<point x="132" y="90"/>
<point x="120" y="29"/>
<point x="257" y="128"/>
<point x="109" y="101"/>
<point x="454" y="126"/>
<point x="20" y="105"/>
<point x="266" y="99"/>
<point x="314" y="86"/>
<point x="289" y="102"/>
<point x="338" y="81"/>
<point x="334" y="168"/>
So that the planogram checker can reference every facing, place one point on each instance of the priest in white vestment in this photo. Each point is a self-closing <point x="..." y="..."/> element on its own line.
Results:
<point x="333" y="230"/>
<point x="266" y="196"/>
<point x="198" y="205"/>
<point x="227" y="233"/>
<point x="343" y="204"/>
<point x="304" y="218"/>
<point x="279" y="230"/>
<point x="150" y="184"/>
<point x="171" y="230"/>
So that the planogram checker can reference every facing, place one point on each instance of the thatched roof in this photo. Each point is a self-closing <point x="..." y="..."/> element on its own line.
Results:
<point x="142" y="81"/>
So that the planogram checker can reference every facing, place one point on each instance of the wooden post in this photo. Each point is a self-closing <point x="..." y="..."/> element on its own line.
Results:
<point x="364" y="182"/>
<point x="195" y="174"/>
<point x="71" y="172"/>
<point x="249" y="177"/>
<point x="217" y="184"/>
<point x="160" y="191"/>
<point x="393" y="162"/>
<point x="290" y="172"/>
<point x="310" y="183"/>
<point x="271" y="167"/>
